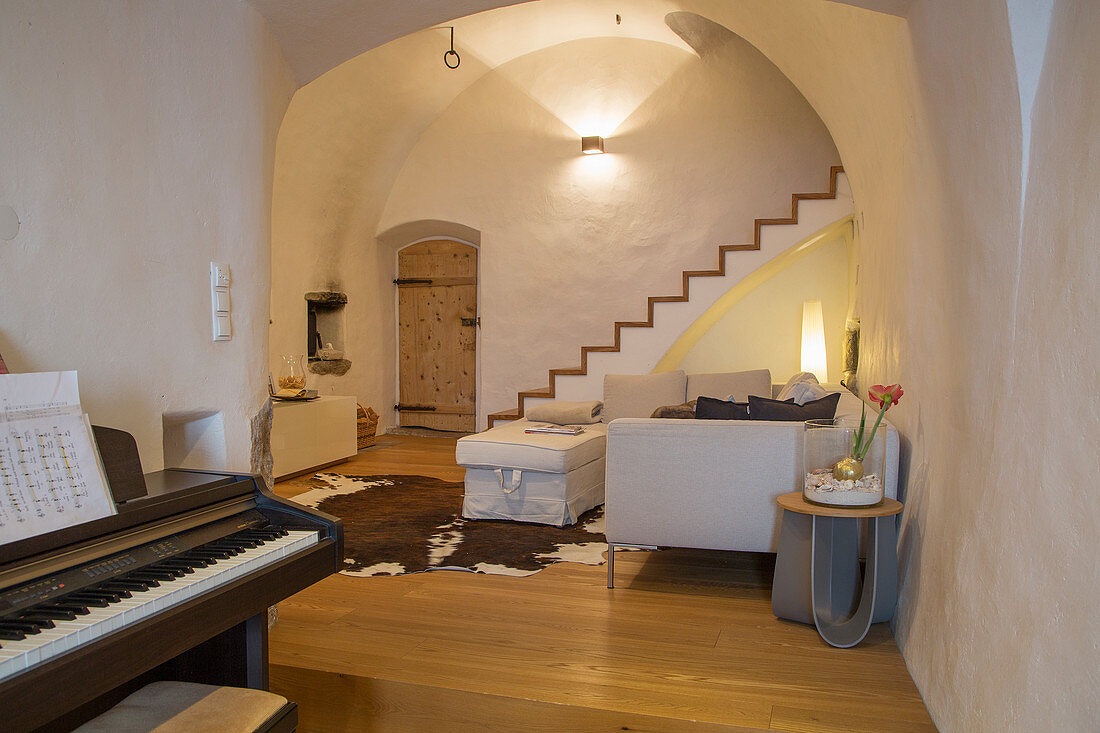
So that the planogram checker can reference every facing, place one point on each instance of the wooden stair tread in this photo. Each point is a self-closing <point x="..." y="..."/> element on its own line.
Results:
<point x="687" y="275"/>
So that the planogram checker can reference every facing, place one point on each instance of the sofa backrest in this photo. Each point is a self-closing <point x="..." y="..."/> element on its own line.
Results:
<point x="739" y="384"/>
<point x="638" y="395"/>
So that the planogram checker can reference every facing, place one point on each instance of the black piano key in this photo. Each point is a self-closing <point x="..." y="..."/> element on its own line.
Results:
<point x="119" y="585"/>
<point x="49" y="612"/>
<point x="120" y="589"/>
<point x="44" y="622"/>
<point x="213" y="554"/>
<point x="195" y="561"/>
<point x="145" y="580"/>
<point x="223" y="547"/>
<point x="177" y="565"/>
<point x="85" y="599"/>
<point x="162" y="568"/>
<point x="11" y="634"/>
<point x="99" y="590"/>
<point x="146" y="574"/>
<point x="78" y="608"/>
<point x="90" y="594"/>
<point x="94" y="600"/>
<point x="14" y="624"/>
<point x="264" y="533"/>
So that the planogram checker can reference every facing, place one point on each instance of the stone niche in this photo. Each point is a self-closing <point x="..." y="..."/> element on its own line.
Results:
<point x="325" y="326"/>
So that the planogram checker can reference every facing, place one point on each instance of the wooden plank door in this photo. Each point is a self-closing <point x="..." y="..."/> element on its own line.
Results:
<point x="437" y="327"/>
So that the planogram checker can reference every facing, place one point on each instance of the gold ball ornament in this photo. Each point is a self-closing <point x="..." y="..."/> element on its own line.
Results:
<point x="848" y="469"/>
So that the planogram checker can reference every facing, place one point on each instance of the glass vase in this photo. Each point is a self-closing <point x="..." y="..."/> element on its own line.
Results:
<point x="292" y="374"/>
<point x="833" y="476"/>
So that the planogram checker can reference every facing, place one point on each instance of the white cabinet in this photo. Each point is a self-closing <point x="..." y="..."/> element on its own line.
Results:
<point x="313" y="434"/>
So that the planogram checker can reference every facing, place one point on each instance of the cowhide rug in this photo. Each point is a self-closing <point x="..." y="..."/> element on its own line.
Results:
<point x="408" y="524"/>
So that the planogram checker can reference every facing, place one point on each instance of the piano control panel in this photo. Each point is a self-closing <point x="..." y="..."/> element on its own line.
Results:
<point x="119" y="565"/>
<point x="51" y="586"/>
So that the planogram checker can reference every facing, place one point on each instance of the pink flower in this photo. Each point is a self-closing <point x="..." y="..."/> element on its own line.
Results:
<point x="885" y="397"/>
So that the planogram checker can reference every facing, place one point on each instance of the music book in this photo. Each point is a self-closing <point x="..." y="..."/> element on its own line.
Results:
<point x="51" y="475"/>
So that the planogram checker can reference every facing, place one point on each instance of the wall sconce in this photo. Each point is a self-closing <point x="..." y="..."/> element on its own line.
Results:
<point x="592" y="145"/>
<point x="813" y="340"/>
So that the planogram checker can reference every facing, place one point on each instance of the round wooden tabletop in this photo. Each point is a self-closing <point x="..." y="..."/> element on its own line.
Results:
<point x="796" y="503"/>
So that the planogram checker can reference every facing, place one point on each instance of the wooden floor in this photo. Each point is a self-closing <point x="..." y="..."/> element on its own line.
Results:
<point x="686" y="641"/>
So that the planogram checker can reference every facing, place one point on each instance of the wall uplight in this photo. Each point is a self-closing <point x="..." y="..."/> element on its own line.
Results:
<point x="592" y="145"/>
<point x="813" y="340"/>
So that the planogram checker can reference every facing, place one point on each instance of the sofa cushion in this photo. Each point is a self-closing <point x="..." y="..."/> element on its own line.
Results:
<point x="803" y="392"/>
<point x="732" y="385"/>
<point x="638" y="395"/>
<point x="686" y="411"/>
<point x="761" y="408"/>
<point x="709" y="408"/>
<point x="799" y="378"/>
<point x="565" y="413"/>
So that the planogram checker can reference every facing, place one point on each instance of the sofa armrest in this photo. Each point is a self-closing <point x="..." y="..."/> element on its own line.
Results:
<point x="708" y="484"/>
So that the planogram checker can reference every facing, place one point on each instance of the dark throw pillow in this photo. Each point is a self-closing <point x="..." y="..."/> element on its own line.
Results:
<point x="761" y="408"/>
<point x="709" y="408"/>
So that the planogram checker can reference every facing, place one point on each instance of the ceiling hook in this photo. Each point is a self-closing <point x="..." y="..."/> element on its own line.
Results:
<point x="452" y="55"/>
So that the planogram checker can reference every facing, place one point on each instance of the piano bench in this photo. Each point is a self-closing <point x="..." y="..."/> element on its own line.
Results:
<point x="187" y="707"/>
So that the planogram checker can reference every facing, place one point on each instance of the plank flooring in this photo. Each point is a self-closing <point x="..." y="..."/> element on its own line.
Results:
<point x="686" y="641"/>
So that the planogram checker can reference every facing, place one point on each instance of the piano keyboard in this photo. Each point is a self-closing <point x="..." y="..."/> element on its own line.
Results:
<point x="85" y="615"/>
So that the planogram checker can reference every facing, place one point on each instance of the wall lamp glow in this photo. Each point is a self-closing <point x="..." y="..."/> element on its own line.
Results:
<point x="592" y="145"/>
<point x="813" y="340"/>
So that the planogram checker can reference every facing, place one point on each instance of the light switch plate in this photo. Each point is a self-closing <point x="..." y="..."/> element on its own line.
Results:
<point x="220" y="276"/>
<point x="223" y="327"/>
<point x="221" y="301"/>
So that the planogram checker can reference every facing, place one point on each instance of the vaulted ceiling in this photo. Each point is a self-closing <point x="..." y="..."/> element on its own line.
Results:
<point x="318" y="35"/>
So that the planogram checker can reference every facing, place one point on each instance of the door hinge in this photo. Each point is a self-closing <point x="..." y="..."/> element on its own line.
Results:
<point x="468" y="321"/>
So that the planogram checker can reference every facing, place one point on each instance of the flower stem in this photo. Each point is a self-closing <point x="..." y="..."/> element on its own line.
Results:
<point x="870" y="439"/>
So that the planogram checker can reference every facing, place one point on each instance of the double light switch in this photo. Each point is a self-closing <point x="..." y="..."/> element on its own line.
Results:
<point x="219" y="300"/>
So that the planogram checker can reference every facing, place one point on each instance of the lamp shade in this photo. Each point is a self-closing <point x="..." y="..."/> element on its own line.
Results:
<point x="813" y="340"/>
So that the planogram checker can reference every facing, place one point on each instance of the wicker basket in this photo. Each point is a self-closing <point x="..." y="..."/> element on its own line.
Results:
<point x="366" y="425"/>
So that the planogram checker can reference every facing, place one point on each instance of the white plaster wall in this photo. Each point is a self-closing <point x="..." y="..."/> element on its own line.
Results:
<point x="764" y="329"/>
<point x="987" y="323"/>
<point x="572" y="243"/>
<point x="138" y="142"/>
<point x="343" y="141"/>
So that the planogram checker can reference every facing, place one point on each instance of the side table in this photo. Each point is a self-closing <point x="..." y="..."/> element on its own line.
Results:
<point x="817" y="579"/>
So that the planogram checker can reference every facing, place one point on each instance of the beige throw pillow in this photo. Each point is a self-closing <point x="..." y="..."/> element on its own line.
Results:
<point x="638" y="395"/>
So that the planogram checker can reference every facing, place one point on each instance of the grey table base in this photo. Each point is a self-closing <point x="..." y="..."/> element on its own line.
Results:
<point x="817" y="579"/>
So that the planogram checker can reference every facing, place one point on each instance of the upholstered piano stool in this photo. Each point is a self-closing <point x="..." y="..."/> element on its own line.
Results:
<point x="186" y="707"/>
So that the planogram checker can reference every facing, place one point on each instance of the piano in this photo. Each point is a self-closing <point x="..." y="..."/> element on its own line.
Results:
<point x="176" y="585"/>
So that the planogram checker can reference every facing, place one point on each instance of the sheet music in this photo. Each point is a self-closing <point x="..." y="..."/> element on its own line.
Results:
<point x="50" y="474"/>
<point x="38" y="394"/>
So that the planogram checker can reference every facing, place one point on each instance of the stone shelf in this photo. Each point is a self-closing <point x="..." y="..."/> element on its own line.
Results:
<point x="335" y="367"/>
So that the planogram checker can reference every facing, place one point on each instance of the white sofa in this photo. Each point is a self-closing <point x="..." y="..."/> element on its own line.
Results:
<point x="712" y="484"/>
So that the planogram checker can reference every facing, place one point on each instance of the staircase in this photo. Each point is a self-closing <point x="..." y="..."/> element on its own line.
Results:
<point x="714" y="288"/>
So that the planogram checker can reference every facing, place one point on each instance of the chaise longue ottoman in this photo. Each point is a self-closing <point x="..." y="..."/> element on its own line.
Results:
<point x="549" y="479"/>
